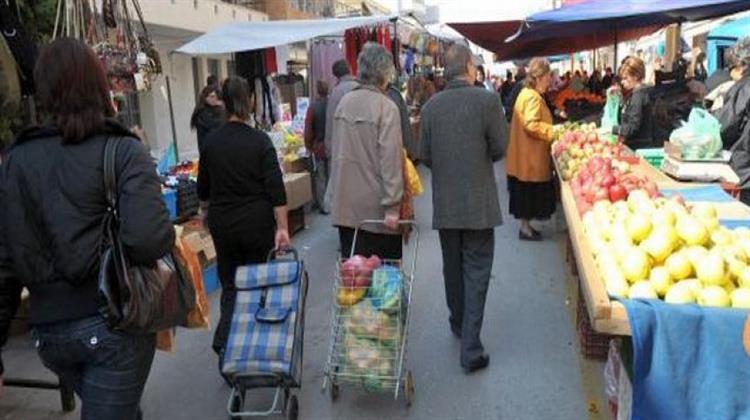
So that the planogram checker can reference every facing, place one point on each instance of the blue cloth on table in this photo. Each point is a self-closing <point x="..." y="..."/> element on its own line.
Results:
<point x="734" y="223"/>
<point x="689" y="362"/>
<point x="711" y="193"/>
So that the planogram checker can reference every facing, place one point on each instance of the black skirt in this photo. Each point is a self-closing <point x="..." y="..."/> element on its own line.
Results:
<point x="531" y="200"/>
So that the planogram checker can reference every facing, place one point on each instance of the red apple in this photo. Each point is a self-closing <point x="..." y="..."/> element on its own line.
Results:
<point x="617" y="193"/>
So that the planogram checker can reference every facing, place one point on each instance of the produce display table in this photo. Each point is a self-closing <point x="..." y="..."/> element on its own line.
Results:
<point x="609" y="316"/>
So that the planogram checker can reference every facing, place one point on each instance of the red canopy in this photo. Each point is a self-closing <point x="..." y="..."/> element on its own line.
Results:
<point x="492" y="35"/>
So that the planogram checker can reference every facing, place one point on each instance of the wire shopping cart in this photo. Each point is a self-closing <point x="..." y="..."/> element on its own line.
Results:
<point x="370" y="323"/>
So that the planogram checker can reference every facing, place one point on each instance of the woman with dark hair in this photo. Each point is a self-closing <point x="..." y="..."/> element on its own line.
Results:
<point x="208" y="114"/>
<point x="53" y="207"/>
<point x="529" y="167"/>
<point x="635" y="113"/>
<point x="241" y="179"/>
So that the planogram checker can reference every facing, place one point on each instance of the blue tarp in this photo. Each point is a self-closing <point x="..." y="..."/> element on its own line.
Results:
<point x="723" y="37"/>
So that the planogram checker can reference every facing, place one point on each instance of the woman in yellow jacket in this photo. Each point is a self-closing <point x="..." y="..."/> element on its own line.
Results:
<point x="529" y="166"/>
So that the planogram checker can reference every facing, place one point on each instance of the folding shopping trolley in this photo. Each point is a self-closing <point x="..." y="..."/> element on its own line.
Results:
<point x="369" y="327"/>
<point x="264" y="347"/>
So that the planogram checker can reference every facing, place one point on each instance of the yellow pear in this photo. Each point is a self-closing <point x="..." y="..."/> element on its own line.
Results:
<point x="663" y="217"/>
<point x="642" y="290"/>
<point x="740" y="298"/>
<point x="661" y="280"/>
<point x="635" y="265"/>
<point x="679" y="294"/>
<point x="744" y="278"/>
<point x="638" y="227"/>
<point x="658" y="246"/>
<point x="636" y="198"/>
<point x="714" y="296"/>
<point x="703" y="210"/>
<point x="694" y="285"/>
<point x="710" y="270"/>
<point x="695" y="253"/>
<point x="678" y="265"/>
<point x="721" y="237"/>
<point x="615" y="283"/>
<point x="736" y="267"/>
<point x="692" y="231"/>
<point x="711" y="223"/>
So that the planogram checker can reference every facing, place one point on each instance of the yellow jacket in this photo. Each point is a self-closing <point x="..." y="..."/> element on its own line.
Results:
<point x="529" y="157"/>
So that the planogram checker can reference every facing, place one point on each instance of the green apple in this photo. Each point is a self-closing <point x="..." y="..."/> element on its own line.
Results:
<point x="660" y="280"/>
<point x="642" y="290"/>
<point x="679" y="294"/>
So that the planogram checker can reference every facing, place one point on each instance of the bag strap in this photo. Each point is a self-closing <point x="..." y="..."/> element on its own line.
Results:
<point x="110" y="176"/>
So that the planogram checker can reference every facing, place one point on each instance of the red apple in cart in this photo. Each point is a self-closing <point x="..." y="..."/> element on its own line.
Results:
<point x="617" y="193"/>
<point x="608" y="180"/>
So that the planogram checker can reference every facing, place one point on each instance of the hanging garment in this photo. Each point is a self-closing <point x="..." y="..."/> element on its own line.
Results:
<point x="323" y="55"/>
<point x="10" y="87"/>
<point x="269" y="60"/>
<point x="250" y="64"/>
<point x="351" y="45"/>
<point x="21" y="45"/>
<point x="275" y="100"/>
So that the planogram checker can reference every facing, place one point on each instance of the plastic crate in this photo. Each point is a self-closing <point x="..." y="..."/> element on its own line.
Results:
<point x="654" y="156"/>
<point x="593" y="344"/>
<point x="170" y="200"/>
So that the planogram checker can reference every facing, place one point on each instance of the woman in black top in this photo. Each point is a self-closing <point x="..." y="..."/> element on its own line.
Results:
<point x="635" y="127"/>
<point x="208" y="115"/>
<point x="241" y="179"/>
<point x="51" y="212"/>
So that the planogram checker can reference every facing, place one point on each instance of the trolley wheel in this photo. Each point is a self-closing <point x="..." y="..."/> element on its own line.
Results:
<point x="333" y="391"/>
<point x="409" y="388"/>
<point x="238" y="404"/>
<point x="292" y="411"/>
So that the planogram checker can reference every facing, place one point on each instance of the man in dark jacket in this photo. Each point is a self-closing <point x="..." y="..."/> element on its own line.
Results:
<point x="406" y="135"/>
<point x="52" y="210"/>
<point x="315" y="135"/>
<point x="463" y="133"/>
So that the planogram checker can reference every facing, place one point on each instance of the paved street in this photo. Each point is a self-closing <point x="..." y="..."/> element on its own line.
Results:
<point x="535" y="370"/>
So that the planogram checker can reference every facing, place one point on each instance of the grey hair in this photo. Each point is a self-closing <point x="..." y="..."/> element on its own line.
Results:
<point x="456" y="59"/>
<point x="375" y="65"/>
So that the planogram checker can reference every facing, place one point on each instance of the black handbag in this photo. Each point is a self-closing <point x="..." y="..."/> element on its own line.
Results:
<point x="138" y="299"/>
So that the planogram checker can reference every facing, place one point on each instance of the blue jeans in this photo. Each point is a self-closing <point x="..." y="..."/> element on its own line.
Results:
<point x="107" y="369"/>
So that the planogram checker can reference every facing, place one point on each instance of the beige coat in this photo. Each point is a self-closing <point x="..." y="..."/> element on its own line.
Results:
<point x="366" y="165"/>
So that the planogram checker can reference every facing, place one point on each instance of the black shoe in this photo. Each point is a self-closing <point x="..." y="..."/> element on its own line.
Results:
<point x="534" y="237"/>
<point x="535" y="232"/>
<point x="480" y="363"/>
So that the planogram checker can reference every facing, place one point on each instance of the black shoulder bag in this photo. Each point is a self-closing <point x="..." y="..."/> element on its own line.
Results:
<point x="138" y="299"/>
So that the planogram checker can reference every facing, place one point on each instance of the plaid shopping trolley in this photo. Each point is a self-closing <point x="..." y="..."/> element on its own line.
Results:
<point x="264" y="347"/>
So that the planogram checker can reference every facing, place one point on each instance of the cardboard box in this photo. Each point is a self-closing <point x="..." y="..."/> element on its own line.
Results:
<point x="199" y="241"/>
<point x="298" y="189"/>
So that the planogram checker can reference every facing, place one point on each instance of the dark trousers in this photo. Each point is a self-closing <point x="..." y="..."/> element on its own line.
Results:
<point x="467" y="266"/>
<point x="107" y="369"/>
<point x="386" y="246"/>
<point x="234" y="249"/>
<point x="321" y="172"/>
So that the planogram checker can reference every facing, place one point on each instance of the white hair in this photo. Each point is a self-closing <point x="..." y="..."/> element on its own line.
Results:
<point x="375" y="65"/>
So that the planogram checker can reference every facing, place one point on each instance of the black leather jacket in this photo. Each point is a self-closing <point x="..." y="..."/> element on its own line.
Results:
<point x="735" y="132"/>
<point x="51" y="209"/>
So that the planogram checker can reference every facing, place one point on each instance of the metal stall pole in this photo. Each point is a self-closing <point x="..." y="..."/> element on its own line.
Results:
<point x="171" y="120"/>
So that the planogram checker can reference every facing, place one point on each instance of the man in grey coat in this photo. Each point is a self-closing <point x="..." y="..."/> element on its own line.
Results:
<point x="464" y="131"/>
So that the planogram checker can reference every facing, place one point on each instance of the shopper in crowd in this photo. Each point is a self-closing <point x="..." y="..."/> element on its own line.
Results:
<point x="345" y="84"/>
<point x="699" y="67"/>
<point x="529" y="168"/>
<point x="406" y="135"/>
<point x="735" y="71"/>
<point x="635" y="113"/>
<point x="241" y="180"/>
<point x="735" y="130"/>
<point x="212" y="80"/>
<point x="315" y="132"/>
<point x="479" y="81"/>
<point x="517" y="87"/>
<point x="595" y="83"/>
<point x="463" y="133"/>
<point x="607" y="79"/>
<point x="53" y="205"/>
<point x="507" y="86"/>
<point x="367" y="178"/>
<point x="208" y="115"/>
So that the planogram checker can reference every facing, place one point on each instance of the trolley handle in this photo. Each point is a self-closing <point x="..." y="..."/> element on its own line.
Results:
<point x="274" y="254"/>
<point x="380" y="222"/>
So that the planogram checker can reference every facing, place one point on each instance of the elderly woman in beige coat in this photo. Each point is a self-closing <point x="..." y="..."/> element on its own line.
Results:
<point x="367" y="174"/>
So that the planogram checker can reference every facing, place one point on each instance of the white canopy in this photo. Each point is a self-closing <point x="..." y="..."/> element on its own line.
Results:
<point x="245" y="36"/>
